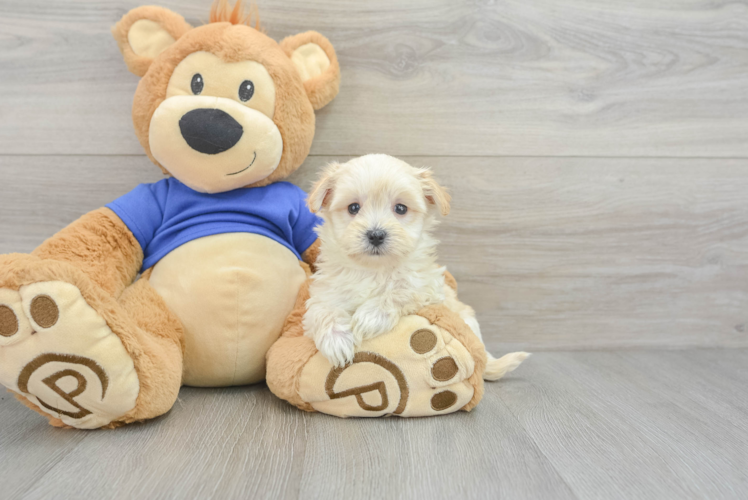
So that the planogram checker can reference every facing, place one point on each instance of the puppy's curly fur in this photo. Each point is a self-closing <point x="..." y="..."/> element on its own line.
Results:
<point x="377" y="258"/>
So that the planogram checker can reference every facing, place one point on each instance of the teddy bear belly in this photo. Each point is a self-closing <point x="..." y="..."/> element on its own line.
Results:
<point x="232" y="293"/>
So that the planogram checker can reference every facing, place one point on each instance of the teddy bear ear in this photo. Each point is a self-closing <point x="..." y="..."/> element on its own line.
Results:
<point x="314" y="58"/>
<point x="144" y="32"/>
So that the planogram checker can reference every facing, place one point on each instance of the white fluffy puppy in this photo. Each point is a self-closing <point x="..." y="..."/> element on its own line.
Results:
<point x="377" y="260"/>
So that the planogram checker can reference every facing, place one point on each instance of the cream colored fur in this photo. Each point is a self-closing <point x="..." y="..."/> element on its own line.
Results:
<point x="232" y="292"/>
<point x="421" y="388"/>
<point x="77" y="330"/>
<point x="361" y="291"/>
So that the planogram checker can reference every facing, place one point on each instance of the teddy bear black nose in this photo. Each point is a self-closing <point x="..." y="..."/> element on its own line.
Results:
<point x="210" y="131"/>
<point x="376" y="237"/>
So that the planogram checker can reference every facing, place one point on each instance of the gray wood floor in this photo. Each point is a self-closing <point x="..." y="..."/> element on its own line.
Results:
<point x="587" y="425"/>
<point x="597" y="156"/>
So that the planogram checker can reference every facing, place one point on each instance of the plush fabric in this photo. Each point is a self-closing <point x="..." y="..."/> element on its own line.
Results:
<point x="232" y="292"/>
<point x="287" y="357"/>
<point x="173" y="25"/>
<point x="222" y="79"/>
<point x="445" y="319"/>
<point x="249" y="142"/>
<point x="310" y="61"/>
<point x="102" y="245"/>
<point x="158" y="347"/>
<point x="430" y="364"/>
<point x="450" y="280"/>
<point x="295" y="100"/>
<point x="147" y="38"/>
<point x="324" y="85"/>
<point x="223" y="12"/>
<point x="48" y="367"/>
<point x="168" y="214"/>
<point x="87" y="342"/>
<point x="151" y="351"/>
<point x="310" y="254"/>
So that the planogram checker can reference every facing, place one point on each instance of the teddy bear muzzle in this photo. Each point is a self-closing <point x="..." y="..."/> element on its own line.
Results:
<point x="214" y="144"/>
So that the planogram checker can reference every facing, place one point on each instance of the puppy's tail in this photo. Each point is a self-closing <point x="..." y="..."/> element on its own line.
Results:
<point x="497" y="368"/>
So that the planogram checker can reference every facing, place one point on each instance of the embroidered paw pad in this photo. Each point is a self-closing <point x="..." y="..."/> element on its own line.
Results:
<point x="61" y="355"/>
<point x="417" y="369"/>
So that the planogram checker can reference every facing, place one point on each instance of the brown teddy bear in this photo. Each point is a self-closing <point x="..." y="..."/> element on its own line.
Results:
<point x="220" y="108"/>
<point x="187" y="281"/>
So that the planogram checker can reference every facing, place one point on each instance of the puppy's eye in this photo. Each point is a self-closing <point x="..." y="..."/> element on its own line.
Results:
<point x="353" y="208"/>
<point x="246" y="90"/>
<point x="401" y="209"/>
<point x="197" y="83"/>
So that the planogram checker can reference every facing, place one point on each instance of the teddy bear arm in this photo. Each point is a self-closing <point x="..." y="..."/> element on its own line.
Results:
<point x="101" y="245"/>
<point x="311" y="254"/>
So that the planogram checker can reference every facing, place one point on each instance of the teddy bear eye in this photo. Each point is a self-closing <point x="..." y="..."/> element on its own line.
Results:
<point x="401" y="209"/>
<point x="353" y="208"/>
<point x="197" y="83"/>
<point x="246" y="90"/>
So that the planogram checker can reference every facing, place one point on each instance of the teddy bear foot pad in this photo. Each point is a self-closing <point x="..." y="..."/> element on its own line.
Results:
<point x="58" y="353"/>
<point x="418" y="369"/>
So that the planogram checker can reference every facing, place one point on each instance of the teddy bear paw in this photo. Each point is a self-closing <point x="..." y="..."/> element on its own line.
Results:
<point x="417" y="369"/>
<point x="60" y="354"/>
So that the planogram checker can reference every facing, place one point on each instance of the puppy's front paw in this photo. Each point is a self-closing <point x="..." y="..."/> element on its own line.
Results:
<point x="370" y="322"/>
<point x="337" y="346"/>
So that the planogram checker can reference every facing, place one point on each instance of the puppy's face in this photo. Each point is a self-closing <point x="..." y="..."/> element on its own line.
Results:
<point x="376" y="207"/>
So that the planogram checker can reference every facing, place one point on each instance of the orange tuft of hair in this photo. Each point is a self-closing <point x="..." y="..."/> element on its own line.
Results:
<point x="222" y="12"/>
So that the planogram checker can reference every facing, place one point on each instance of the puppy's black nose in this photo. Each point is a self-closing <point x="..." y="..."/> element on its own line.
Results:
<point x="210" y="131"/>
<point x="376" y="237"/>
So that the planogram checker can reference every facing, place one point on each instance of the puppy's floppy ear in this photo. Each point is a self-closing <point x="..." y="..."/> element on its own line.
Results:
<point x="314" y="58"/>
<point x="144" y="32"/>
<point x="322" y="189"/>
<point x="434" y="192"/>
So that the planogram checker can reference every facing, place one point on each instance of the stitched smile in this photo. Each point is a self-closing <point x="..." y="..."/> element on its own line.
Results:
<point x="242" y="170"/>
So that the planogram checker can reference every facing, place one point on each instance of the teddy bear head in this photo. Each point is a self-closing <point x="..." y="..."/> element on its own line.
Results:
<point x="223" y="106"/>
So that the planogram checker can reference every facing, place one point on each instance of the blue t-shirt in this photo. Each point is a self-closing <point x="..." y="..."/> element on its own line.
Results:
<point x="168" y="214"/>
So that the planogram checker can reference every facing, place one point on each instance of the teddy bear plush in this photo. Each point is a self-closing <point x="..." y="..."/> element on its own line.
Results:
<point x="226" y="112"/>
<point x="190" y="280"/>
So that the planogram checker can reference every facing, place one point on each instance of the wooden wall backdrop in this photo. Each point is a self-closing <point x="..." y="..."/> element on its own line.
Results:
<point x="596" y="151"/>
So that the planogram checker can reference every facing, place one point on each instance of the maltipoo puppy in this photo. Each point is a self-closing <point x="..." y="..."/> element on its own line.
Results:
<point x="377" y="260"/>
